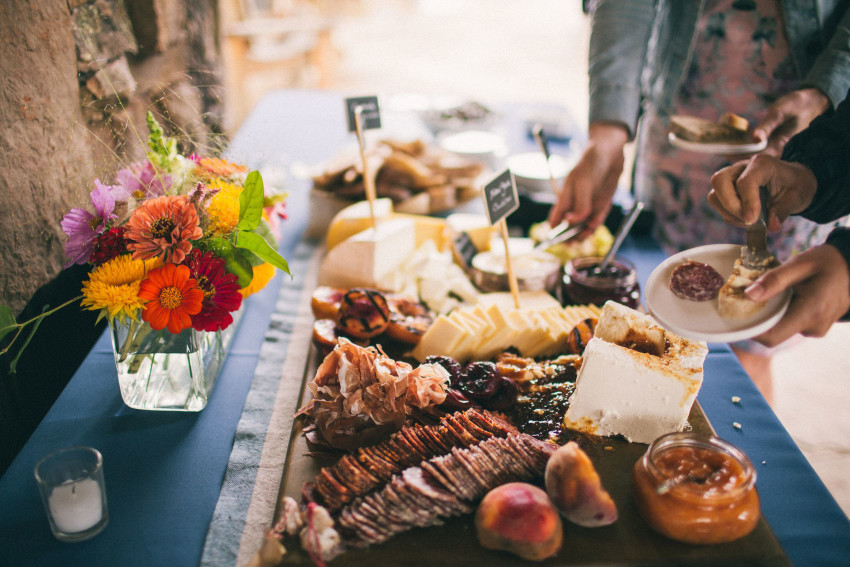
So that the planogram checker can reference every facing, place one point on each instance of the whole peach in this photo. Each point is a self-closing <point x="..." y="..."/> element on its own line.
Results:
<point x="519" y="517"/>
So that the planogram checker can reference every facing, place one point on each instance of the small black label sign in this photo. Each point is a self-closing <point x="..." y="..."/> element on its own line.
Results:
<point x="500" y="196"/>
<point x="370" y="114"/>
<point x="464" y="248"/>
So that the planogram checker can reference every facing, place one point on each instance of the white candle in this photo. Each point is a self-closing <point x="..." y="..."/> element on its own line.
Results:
<point x="76" y="506"/>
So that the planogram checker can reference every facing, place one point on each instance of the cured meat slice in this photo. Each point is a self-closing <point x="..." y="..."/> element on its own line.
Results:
<point x="442" y="487"/>
<point x="362" y="472"/>
<point x="695" y="281"/>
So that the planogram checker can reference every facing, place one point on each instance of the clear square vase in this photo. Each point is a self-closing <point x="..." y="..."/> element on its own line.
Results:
<point x="158" y="370"/>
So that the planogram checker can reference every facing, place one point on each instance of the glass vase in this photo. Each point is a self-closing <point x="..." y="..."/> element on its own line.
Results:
<point x="158" y="370"/>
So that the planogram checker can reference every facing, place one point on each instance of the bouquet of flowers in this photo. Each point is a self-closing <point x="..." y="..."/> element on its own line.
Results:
<point x="175" y="243"/>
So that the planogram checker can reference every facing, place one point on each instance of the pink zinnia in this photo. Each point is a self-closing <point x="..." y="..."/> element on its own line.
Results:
<point x="164" y="227"/>
<point x="221" y="291"/>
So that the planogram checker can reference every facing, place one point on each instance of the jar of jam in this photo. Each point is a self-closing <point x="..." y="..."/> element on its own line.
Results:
<point x="583" y="282"/>
<point x="696" y="489"/>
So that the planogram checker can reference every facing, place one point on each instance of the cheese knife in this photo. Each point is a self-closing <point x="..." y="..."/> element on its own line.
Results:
<point x="755" y="254"/>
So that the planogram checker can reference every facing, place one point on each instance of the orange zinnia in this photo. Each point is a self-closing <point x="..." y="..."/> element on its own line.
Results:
<point x="172" y="297"/>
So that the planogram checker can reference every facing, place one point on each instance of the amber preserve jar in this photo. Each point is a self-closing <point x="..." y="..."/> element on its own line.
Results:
<point x="583" y="282"/>
<point x="696" y="489"/>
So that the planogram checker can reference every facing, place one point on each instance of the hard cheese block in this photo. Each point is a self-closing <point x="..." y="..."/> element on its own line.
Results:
<point x="636" y="379"/>
<point x="354" y="219"/>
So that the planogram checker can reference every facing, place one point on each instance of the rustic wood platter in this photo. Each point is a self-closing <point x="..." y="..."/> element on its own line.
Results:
<point x="629" y="541"/>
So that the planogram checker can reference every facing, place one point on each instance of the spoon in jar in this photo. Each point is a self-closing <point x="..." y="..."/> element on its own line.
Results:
<point x="622" y="231"/>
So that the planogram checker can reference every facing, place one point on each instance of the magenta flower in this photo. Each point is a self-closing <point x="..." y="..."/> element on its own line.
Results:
<point x="82" y="226"/>
<point x="142" y="182"/>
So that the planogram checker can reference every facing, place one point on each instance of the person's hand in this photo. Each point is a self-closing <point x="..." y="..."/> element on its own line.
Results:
<point x="588" y="189"/>
<point x="790" y="114"/>
<point x="735" y="190"/>
<point x="820" y="279"/>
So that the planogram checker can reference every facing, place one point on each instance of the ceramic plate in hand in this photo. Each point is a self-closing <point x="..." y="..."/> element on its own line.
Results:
<point x="715" y="148"/>
<point x="699" y="320"/>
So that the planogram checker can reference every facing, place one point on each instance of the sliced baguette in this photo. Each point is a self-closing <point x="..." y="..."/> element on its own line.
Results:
<point x="732" y="303"/>
<point x="695" y="129"/>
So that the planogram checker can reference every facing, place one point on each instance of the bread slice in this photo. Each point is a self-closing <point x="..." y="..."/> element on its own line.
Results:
<point x="695" y="129"/>
<point x="732" y="303"/>
<point x="735" y="121"/>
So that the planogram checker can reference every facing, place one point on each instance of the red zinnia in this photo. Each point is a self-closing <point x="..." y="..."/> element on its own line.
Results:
<point x="108" y="245"/>
<point x="172" y="298"/>
<point x="221" y="291"/>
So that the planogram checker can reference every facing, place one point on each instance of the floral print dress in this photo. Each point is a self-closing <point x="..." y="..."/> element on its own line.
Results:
<point x="741" y="63"/>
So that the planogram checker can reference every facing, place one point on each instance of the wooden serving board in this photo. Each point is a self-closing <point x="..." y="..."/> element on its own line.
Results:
<point x="629" y="541"/>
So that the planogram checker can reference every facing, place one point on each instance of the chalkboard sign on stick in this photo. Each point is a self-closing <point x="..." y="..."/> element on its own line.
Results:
<point x="464" y="249"/>
<point x="369" y="110"/>
<point x="500" y="196"/>
<point x="363" y="113"/>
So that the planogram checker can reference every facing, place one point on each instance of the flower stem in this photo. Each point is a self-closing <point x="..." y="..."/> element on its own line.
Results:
<point x="42" y="315"/>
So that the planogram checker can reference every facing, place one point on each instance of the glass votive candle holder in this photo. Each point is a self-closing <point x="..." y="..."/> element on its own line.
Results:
<point x="70" y="481"/>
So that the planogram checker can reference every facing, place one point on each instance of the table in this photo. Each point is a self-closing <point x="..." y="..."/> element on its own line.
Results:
<point x="164" y="471"/>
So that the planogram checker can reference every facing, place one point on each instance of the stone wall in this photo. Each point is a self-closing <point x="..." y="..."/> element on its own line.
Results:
<point x="78" y="78"/>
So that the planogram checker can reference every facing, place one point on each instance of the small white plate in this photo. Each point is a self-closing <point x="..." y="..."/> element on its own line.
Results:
<point x="716" y="149"/>
<point x="699" y="320"/>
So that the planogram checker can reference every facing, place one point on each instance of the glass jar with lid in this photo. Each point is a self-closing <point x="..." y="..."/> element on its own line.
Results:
<point x="697" y="489"/>
<point x="584" y="282"/>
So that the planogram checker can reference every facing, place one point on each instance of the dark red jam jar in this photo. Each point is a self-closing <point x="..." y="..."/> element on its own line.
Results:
<point x="584" y="283"/>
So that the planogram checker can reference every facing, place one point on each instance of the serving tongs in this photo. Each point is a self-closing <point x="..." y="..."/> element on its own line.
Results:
<point x="560" y="233"/>
<point x="755" y="255"/>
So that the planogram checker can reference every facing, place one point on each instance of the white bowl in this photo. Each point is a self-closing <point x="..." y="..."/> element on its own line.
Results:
<point x="532" y="174"/>
<point x="482" y="145"/>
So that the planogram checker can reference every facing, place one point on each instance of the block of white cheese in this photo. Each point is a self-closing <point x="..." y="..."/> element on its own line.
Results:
<point x="369" y="256"/>
<point x="636" y="379"/>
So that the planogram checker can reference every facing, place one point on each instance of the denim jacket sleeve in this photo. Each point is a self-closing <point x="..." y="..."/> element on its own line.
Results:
<point x="830" y="71"/>
<point x="619" y="38"/>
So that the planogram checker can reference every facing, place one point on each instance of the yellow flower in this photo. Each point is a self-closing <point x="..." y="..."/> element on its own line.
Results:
<point x="114" y="287"/>
<point x="223" y="209"/>
<point x="262" y="276"/>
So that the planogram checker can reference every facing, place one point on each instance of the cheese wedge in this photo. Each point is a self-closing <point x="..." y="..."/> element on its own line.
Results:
<point x="369" y="256"/>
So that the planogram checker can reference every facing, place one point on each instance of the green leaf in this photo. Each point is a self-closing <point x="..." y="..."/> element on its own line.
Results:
<point x="235" y="261"/>
<point x="258" y="245"/>
<point x="251" y="202"/>
<point x="7" y="321"/>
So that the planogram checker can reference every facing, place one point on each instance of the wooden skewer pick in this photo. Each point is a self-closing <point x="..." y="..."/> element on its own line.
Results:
<point x="368" y="180"/>
<point x="512" y="283"/>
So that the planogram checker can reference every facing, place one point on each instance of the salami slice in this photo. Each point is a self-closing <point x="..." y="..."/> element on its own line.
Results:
<point x="695" y="281"/>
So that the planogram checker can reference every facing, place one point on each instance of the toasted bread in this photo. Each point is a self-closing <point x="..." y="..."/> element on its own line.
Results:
<point x="695" y="129"/>
<point x="735" y="121"/>
<point x="732" y="303"/>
